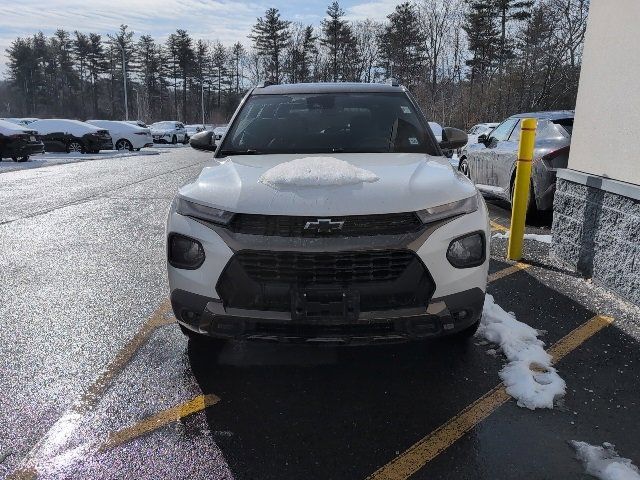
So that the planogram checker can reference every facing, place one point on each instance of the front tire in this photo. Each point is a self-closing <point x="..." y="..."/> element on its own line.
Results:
<point x="124" y="144"/>
<point x="75" y="147"/>
<point x="174" y="140"/>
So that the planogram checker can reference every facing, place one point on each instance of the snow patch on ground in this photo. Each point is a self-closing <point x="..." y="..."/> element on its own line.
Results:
<point x="529" y="376"/>
<point x="316" y="172"/>
<point x="527" y="236"/>
<point x="604" y="463"/>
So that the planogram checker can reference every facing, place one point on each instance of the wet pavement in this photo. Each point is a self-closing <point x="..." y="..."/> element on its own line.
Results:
<point x="98" y="382"/>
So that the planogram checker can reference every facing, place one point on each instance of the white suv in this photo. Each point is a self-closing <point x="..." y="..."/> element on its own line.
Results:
<point x="329" y="215"/>
<point x="169" y="132"/>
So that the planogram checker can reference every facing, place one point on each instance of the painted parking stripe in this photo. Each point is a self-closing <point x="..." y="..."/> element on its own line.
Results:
<point x="429" y="447"/>
<point x="497" y="226"/>
<point x="507" y="271"/>
<point x="159" y="420"/>
<point x="54" y="440"/>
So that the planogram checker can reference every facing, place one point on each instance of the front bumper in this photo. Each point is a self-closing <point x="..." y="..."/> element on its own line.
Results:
<point x="443" y="316"/>
<point x="219" y="300"/>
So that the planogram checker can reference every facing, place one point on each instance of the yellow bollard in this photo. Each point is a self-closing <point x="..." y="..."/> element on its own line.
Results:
<point x="521" y="188"/>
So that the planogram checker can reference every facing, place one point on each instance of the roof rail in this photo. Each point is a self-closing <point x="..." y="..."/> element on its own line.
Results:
<point x="266" y="83"/>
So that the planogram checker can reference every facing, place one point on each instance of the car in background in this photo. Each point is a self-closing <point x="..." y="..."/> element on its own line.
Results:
<point x="61" y="135"/>
<point x="125" y="136"/>
<point x="193" y="129"/>
<point x="491" y="162"/>
<point x="18" y="142"/>
<point x="169" y="132"/>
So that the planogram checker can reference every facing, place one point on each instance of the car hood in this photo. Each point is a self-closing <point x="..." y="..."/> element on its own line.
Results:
<point x="407" y="182"/>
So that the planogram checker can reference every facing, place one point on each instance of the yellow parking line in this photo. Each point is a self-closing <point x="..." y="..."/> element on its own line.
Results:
<point x="158" y="420"/>
<point x="497" y="226"/>
<point x="507" y="271"/>
<point x="429" y="447"/>
<point x="122" y="358"/>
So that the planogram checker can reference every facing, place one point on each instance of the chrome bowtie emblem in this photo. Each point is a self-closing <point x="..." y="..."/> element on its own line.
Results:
<point x="324" y="225"/>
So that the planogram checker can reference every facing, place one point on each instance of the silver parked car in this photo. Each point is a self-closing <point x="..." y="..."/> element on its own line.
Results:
<point x="491" y="162"/>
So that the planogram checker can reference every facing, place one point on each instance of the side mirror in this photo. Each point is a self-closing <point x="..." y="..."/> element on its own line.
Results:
<point x="203" y="141"/>
<point x="453" y="138"/>
<point x="483" y="138"/>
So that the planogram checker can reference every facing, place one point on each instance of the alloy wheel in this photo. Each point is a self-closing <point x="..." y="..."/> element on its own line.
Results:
<point x="75" y="147"/>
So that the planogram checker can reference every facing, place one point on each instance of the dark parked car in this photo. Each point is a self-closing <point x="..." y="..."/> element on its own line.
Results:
<point x="72" y="136"/>
<point x="18" y="142"/>
<point x="491" y="162"/>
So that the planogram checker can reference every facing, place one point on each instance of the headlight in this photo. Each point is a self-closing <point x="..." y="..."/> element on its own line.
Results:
<point x="208" y="214"/>
<point x="184" y="252"/>
<point x="467" y="251"/>
<point x="453" y="209"/>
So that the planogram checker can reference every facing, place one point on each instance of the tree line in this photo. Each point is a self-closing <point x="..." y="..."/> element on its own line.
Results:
<point x="465" y="61"/>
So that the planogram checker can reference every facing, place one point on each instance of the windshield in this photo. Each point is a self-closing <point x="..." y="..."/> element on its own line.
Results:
<point x="330" y="122"/>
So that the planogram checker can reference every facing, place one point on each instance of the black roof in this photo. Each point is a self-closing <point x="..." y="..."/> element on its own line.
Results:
<point x="339" y="87"/>
<point x="550" y="115"/>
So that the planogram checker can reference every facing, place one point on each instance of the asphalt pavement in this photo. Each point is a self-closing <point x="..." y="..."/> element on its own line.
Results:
<point x="98" y="382"/>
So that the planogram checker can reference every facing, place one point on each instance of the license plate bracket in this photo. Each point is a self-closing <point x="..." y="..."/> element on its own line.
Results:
<point x="322" y="304"/>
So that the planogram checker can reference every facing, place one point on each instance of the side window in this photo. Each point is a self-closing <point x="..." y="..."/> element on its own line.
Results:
<point x="502" y="131"/>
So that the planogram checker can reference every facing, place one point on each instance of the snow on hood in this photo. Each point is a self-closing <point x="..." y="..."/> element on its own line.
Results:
<point x="8" y="128"/>
<point x="529" y="376"/>
<point x="74" y="127"/>
<point x="407" y="182"/>
<point x="316" y="172"/>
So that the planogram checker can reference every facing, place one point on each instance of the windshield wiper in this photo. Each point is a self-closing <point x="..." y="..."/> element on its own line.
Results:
<point x="248" y="151"/>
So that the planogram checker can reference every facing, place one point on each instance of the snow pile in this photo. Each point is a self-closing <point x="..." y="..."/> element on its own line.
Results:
<point x="529" y="376"/>
<point x="8" y="128"/>
<point x="316" y="172"/>
<point x="604" y="463"/>
<point x="527" y="236"/>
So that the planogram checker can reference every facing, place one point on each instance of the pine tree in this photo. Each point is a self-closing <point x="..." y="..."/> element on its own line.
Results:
<point x="237" y="53"/>
<point x="96" y="66"/>
<point x="402" y="44"/>
<point x="270" y="37"/>
<point x="337" y="37"/>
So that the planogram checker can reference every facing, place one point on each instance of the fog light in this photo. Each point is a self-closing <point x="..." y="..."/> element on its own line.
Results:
<point x="467" y="251"/>
<point x="184" y="252"/>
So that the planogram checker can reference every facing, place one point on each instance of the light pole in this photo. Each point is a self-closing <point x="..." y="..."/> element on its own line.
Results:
<point x="137" y="102"/>
<point x="124" y="79"/>
<point x="202" y="102"/>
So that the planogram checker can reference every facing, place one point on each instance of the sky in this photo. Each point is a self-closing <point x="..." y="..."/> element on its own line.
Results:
<point x="225" y="20"/>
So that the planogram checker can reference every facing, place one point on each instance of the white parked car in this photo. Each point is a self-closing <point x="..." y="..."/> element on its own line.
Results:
<point x="125" y="135"/>
<point x="169" y="132"/>
<point x="329" y="215"/>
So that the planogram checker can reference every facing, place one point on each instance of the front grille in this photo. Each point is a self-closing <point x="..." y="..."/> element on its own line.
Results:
<point x="325" y="283"/>
<point x="325" y="268"/>
<point x="354" y="225"/>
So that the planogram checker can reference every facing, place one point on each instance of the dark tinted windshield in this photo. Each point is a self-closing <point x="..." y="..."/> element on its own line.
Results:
<point x="329" y="122"/>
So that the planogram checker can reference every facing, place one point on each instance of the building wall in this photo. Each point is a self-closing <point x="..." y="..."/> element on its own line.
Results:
<point x="606" y="134"/>
<point x="596" y="219"/>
